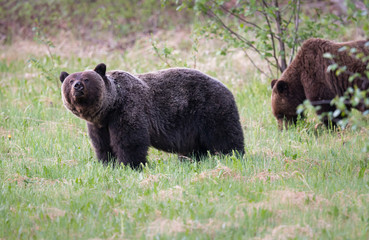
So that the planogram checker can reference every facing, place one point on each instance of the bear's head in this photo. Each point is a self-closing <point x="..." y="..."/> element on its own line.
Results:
<point x="284" y="103"/>
<point x="83" y="93"/>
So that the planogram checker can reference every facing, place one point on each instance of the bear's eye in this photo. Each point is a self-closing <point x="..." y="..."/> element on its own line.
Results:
<point x="85" y="80"/>
<point x="71" y="81"/>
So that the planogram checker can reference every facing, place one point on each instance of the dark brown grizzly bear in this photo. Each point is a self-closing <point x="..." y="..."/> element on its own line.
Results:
<point x="307" y="78"/>
<point x="176" y="110"/>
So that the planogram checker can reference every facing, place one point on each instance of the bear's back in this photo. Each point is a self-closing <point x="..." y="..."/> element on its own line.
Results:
<point x="185" y="102"/>
<point x="182" y="79"/>
<point x="309" y="68"/>
<point x="177" y="88"/>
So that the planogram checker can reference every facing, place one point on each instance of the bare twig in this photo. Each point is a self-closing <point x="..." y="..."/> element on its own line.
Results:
<point x="270" y="70"/>
<point x="276" y="33"/>
<point x="239" y="17"/>
<point x="297" y="20"/>
<point x="271" y="35"/>
<point x="280" y="33"/>
<point x="293" y="14"/>
<point x="253" y="63"/>
<point x="239" y="37"/>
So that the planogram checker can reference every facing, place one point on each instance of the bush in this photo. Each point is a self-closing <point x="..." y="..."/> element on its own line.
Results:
<point x="272" y="29"/>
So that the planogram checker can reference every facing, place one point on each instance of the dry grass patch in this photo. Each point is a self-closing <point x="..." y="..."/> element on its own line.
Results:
<point x="363" y="199"/>
<point x="174" y="193"/>
<point x="283" y="232"/>
<point x="211" y="226"/>
<point x="64" y="46"/>
<point x="220" y="172"/>
<point x="4" y="133"/>
<point x="280" y="201"/>
<point x="165" y="226"/>
<point x="54" y="213"/>
<point x="19" y="179"/>
<point x="302" y="200"/>
<point x="322" y="224"/>
<point x="173" y="226"/>
<point x="24" y="180"/>
<point x="117" y="212"/>
<point x="150" y="180"/>
<point x="266" y="176"/>
<point x="224" y="172"/>
<point x="68" y="162"/>
<point x="242" y="63"/>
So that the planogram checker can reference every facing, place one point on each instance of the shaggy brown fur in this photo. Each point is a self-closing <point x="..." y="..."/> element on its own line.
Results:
<point x="307" y="78"/>
<point x="176" y="110"/>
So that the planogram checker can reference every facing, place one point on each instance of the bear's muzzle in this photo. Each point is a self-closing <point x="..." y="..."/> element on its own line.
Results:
<point x="78" y="89"/>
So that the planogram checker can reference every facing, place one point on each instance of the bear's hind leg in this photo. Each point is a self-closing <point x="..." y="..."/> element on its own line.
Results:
<point x="225" y="139"/>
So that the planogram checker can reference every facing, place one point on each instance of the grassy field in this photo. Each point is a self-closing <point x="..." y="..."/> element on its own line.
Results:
<point x="304" y="183"/>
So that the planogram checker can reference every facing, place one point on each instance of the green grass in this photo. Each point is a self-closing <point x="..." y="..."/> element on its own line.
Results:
<point x="302" y="183"/>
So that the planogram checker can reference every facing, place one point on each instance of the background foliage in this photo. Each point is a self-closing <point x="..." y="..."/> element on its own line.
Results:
<point x="89" y="20"/>
<point x="274" y="29"/>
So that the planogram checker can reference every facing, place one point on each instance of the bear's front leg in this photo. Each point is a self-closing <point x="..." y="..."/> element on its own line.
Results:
<point x="130" y="143"/>
<point x="100" y="139"/>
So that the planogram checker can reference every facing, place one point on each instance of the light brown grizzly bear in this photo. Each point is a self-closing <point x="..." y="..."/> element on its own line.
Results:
<point x="307" y="78"/>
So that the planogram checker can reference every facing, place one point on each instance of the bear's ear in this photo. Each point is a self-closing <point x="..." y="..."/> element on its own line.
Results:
<point x="273" y="83"/>
<point x="282" y="87"/>
<point x="101" y="69"/>
<point x="63" y="76"/>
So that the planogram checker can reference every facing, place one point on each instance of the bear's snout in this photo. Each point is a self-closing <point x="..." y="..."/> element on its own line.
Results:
<point x="78" y="89"/>
<point x="78" y="86"/>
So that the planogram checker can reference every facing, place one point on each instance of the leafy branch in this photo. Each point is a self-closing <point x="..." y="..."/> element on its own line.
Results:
<point x="263" y="27"/>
